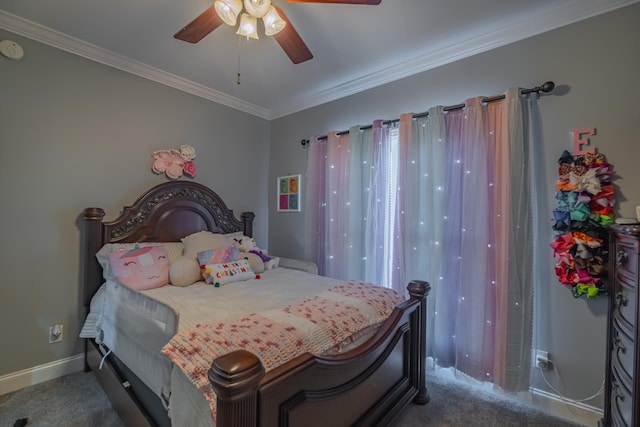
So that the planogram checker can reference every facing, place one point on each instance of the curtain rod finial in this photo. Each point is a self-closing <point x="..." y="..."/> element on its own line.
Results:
<point x="304" y="142"/>
<point x="547" y="87"/>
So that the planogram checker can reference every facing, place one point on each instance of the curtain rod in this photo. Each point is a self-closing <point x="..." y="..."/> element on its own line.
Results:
<point x="546" y="87"/>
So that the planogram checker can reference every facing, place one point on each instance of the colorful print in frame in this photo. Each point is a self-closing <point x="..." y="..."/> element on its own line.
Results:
<point x="289" y="193"/>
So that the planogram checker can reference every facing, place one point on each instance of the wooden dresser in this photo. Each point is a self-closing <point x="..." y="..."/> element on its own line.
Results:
<point x="622" y="379"/>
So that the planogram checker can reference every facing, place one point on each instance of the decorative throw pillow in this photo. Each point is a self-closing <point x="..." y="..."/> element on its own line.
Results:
<point x="203" y="241"/>
<point x="141" y="268"/>
<point x="256" y="264"/>
<point x="185" y="271"/>
<point x="174" y="251"/>
<point x="220" y="274"/>
<point x="218" y="256"/>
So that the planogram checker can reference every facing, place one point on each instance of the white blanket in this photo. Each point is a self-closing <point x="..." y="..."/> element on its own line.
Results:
<point x="202" y="303"/>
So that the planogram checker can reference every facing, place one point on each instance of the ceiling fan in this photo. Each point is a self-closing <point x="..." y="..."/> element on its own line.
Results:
<point x="226" y="11"/>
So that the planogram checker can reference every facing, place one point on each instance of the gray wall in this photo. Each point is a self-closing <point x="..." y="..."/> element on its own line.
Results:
<point x="75" y="133"/>
<point x="595" y="64"/>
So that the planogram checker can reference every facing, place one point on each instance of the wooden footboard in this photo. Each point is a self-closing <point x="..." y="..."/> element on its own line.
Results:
<point x="366" y="386"/>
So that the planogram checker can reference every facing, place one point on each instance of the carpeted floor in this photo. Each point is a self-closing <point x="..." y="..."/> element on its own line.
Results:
<point x="76" y="400"/>
<point x="456" y="404"/>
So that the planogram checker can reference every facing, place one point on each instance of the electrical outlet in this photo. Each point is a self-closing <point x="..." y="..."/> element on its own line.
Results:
<point x="542" y="360"/>
<point x="56" y="333"/>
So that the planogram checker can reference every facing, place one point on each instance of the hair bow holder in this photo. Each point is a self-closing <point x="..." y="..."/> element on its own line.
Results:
<point x="584" y="209"/>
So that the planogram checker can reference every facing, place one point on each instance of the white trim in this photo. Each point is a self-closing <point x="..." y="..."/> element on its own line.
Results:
<point x="567" y="409"/>
<point x="37" y="374"/>
<point x="48" y="36"/>
<point x="562" y="15"/>
<point x="548" y="20"/>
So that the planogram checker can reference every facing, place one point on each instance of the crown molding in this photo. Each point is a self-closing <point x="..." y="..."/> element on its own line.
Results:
<point x="548" y="20"/>
<point x="45" y="35"/>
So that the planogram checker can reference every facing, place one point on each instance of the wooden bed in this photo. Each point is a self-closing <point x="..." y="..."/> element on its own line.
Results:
<point x="367" y="386"/>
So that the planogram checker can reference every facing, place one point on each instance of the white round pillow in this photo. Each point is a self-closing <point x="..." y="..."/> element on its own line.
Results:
<point x="185" y="271"/>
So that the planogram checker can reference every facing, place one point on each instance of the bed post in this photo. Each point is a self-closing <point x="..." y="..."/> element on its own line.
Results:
<point x="91" y="277"/>
<point x="419" y="290"/>
<point x="247" y="223"/>
<point x="235" y="378"/>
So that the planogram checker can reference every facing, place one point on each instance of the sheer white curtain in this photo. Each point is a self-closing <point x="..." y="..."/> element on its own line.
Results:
<point x="327" y="205"/>
<point x="469" y="246"/>
<point x="347" y="213"/>
<point x="444" y="198"/>
<point x="422" y="169"/>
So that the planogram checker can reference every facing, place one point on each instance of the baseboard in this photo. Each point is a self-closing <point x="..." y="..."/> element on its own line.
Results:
<point x="37" y="374"/>
<point x="564" y="408"/>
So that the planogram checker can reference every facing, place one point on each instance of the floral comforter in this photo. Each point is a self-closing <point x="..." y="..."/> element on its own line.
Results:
<point x="314" y="325"/>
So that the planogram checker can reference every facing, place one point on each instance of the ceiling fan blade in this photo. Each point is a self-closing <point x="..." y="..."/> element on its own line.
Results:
<point x="291" y="42"/>
<point x="370" y="2"/>
<point x="197" y="29"/>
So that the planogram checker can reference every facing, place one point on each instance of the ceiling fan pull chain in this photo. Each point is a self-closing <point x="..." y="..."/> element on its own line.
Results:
<point x="238" y="76"/>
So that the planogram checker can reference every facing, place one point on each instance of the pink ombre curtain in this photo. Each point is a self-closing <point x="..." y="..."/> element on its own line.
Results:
<point x="444" y="198"/>
<point x="469" y="232"/>
<point x="469" y="241"/>
<point x="347" y="189"/>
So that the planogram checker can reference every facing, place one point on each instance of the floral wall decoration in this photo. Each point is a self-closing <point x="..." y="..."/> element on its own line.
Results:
<point x="174" y="163"/>
<point x="584" y="211"/>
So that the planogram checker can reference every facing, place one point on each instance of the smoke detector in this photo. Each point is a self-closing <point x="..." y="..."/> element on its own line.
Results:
<point x="11" y="49"/>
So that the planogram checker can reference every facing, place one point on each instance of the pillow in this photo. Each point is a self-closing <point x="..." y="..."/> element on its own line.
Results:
<point x="174" y="251"/>
<point x="255" y="262"/>
<point x="185" y="271"/>
<point x="140" y="268"/>
<point x="221" y="274"/>
<point x="242" y="242"/>
<point x="203" y="241"/>
<point x="234" y="234"/>
<point x="218" y="256"/>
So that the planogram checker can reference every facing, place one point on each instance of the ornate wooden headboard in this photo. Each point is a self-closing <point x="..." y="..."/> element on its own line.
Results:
<point x="165" y="213"/>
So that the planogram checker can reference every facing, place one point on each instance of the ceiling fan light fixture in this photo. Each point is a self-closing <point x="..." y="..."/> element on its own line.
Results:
<point x="257" y="8"/>
<point x="228" y="10"/>
<point x="248" y="26"/>
<point x="273" y="22"/>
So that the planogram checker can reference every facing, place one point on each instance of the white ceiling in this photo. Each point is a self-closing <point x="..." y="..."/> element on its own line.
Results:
<point x="355" y="47"/>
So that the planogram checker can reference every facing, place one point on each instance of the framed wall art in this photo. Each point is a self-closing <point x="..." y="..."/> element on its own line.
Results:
<point x="289" y="193"/>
